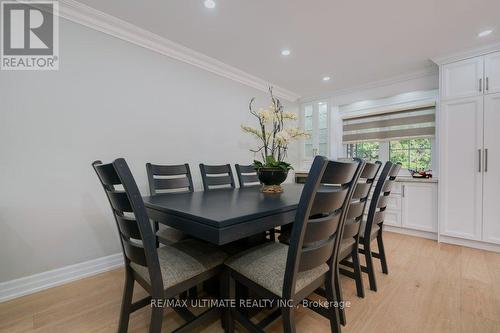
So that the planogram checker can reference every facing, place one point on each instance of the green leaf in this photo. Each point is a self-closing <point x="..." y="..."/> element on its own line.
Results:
<point x="257" y="164"/>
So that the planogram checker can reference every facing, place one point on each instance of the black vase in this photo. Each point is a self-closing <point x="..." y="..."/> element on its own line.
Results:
<point x="272" y="176"/>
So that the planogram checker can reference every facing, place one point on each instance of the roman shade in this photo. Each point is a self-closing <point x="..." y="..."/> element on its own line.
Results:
<point x="408" y="123"/>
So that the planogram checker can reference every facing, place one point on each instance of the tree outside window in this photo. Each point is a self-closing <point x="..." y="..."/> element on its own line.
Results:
<point x="365" y="150"/>
<point x="413" y="154"/>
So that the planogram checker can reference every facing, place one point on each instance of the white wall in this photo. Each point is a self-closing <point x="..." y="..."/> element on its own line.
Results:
<point x="109" y="99"/>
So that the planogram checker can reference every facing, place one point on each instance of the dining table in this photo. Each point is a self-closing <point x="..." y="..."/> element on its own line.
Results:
<point x="222" y="216"/>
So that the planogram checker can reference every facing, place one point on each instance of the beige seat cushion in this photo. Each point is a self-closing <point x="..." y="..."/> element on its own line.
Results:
<point x="265" y="265"/>
<point x="168" y="235"/>
<point x="346" y="246"/>
<point x="373" y="233"/>
<point x="183" y="260"/>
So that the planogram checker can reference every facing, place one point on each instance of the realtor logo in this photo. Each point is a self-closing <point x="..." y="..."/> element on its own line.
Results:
<point x="30" y="35"/>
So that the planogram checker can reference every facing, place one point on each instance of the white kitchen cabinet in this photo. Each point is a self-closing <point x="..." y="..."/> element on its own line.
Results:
<point x="469" y="136"/>
<point x="461" y="138"/>
<point x="492" y="73"/>
<point x="315" y="121"/>
<point x="393" y="211"/>
<point x="462" y="79"/>
<point x="491" y="169"/>
<point x="419" y="206"/>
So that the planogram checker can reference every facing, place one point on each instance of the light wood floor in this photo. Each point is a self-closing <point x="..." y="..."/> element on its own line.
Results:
<point x="431" y="288"/>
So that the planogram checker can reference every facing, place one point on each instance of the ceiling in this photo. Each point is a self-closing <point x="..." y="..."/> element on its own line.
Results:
<point x="354" y="42"/>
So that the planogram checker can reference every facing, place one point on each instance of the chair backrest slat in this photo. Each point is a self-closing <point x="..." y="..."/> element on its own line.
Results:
<point x="317" y="228"/>
<point x="356" y="210"/>
<point x="132" y="221"/>
<point x="247" y="175"/>
<point x="216" y="176"/>
<point x="313" y="256"/>
<point x="128" y="227"/>
<point x="135" y="252"/>
<point x="320" y="216"/>
<point x="380" y="197"/>
<point x="169" y="178"/>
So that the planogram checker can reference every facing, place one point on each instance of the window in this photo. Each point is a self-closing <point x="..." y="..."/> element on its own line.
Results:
<point x="366" y="150"/>
<point x="413" y="154"/>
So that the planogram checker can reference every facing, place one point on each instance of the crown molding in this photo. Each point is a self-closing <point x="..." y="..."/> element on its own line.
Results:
<point x="111" y="25"/>
<point x="429" y="71"/>
<point x="470" y="53"/>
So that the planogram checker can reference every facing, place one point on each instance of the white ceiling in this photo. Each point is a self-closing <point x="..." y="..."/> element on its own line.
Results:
<point x="353" y="41"/>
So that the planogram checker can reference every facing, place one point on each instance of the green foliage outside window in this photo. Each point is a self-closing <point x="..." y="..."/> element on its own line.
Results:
<point x="366" y="150"/>
<point x="413" y="154"/>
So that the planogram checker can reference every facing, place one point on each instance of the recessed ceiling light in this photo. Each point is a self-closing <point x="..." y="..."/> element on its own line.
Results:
<point x="285" y="52"/>
<point x="326" y="78"/>
<point x="209" y="4"/>
<point x="484" y="33"/>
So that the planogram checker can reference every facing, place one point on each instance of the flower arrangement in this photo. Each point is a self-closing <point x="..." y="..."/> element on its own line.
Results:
<point x="273" y="135"/>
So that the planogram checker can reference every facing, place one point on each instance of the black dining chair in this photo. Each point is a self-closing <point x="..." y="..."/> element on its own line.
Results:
<point x="373" y="227"/>
<point x="352" y="227"/>
<point x="168" y="179"/>
<point x="289" y="274"/>
<point x="247" y="175"/>
<point x="216" y="176"/>
<point x="163" y="272"/>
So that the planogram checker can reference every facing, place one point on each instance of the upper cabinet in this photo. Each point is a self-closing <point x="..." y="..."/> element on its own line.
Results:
<point x="315" y="121"/>
<point x="492" y="73"/>
<point x="471" y="77"/>
<point x="462" y="79"/>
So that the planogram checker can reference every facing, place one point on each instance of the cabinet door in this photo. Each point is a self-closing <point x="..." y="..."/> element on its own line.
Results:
<point x="462" y="79"/>
<point x="491" y="186"/>
<point x="460" y="185"/>
<point x="492" y="73"/>
<point x="420" y="207"/>
<point x="393" y="211"/>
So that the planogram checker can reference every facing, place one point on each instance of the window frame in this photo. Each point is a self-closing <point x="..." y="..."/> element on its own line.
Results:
<point x="384" y="152"/>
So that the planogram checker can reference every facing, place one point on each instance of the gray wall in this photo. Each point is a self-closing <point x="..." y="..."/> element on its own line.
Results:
<point x="109" y="99"/>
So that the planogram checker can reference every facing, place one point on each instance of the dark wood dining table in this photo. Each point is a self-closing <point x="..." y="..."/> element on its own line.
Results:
<point x="225" y="215"/>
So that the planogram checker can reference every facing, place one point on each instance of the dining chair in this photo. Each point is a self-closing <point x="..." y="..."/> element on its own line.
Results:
<point x="168" y="179"/>
<point x="288" y="274"/>
<point x="373" y="227"/>
<point x="247" y="175"/>
<point x="163" y="272"/>
<point x="350" y="238"/>
<point x="216" y="176"/>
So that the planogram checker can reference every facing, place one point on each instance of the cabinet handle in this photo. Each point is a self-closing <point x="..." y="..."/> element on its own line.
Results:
<point x="480" y="85"/>
<point x="487" y="84"/>
<point x="479" y="160"/>
<point x="486" y="160"/>
<point x="403" y="191"/>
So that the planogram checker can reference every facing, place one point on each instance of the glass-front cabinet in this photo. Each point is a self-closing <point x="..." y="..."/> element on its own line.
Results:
<point x="315" y="121"/>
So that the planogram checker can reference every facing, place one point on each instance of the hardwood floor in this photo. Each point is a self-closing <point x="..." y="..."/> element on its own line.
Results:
<point x="431" y="287"/>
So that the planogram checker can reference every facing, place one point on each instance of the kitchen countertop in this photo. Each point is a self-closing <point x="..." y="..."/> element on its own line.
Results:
<point x="401" y="179"/>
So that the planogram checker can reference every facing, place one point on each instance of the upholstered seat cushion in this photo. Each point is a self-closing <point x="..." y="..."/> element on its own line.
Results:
<point x="373" y="233"/>
<point x="346" y="246"/>
<point x="168" y="235"/>
<point x="183" y="260"/>
<point x="265" y="265"/>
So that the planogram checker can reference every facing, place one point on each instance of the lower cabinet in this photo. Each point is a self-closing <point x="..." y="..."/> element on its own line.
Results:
<point x="413" y="205"/>
<point x="419" y="206"/>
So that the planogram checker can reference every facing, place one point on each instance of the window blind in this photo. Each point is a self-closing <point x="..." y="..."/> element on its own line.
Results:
<point x="410" y="123"/>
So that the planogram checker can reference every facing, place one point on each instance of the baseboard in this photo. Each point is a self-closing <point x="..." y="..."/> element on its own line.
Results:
<point x="411" y="232"/>
<point x="470" y="243"/>
<point x="41" y="281"/>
